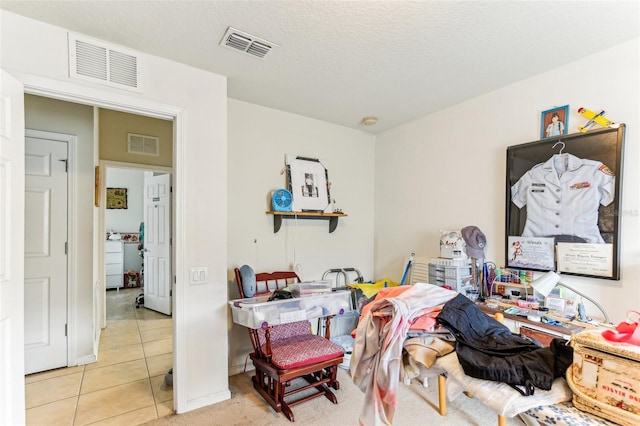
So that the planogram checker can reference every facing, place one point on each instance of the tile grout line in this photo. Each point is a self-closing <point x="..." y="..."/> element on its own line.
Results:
<point x="75" y="412"/>
<point x="146" y="363"/>
<point x="99" y="349"/>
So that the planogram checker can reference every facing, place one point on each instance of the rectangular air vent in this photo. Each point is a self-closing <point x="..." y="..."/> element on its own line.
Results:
<point x="247" y="43"/>
<point x="144" y="145"/>
<point x="100" y="62"/>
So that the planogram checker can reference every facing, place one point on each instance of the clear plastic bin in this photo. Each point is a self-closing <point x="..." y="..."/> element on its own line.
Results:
<point x="310" y="288"/>
<point x="258" y="312"/>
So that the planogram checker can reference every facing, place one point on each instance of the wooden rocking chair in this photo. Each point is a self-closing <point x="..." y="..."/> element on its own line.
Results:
<point x="283" y="353"/>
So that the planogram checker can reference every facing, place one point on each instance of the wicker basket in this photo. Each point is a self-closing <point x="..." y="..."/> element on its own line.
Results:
<point x="605" y="378"/>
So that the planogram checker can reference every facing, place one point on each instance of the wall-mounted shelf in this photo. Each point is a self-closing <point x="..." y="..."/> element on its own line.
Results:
<point x="333" y="218"/>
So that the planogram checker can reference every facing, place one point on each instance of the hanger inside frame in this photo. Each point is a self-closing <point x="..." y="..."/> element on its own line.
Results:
<point x="561" y="147"/>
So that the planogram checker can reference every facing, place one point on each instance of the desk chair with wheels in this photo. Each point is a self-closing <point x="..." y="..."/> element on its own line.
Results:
<point x="286" y="352"/>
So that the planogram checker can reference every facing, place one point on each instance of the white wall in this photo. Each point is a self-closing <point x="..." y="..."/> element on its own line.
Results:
<point x="36" y="54"/>
<point x="126" y="220"/>
<point x="449" y="167"/>
<point x="259" y="138"/>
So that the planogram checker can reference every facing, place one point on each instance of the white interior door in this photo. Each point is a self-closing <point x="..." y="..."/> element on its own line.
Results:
<point x="12" y="402"/>
<point x="157" y="243"/>
<point x="45" y="254"/>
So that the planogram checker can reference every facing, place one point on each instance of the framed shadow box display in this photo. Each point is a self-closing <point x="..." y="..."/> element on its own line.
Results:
<point x="563" y="204"/>
<point x="308" y="182"/>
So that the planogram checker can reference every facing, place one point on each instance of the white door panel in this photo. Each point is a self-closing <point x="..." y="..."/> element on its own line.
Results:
<point x="45" y="254"/>
<point x="36" y="234"/>
<point x="157" y="243"/>
<point x="36" y="302"/>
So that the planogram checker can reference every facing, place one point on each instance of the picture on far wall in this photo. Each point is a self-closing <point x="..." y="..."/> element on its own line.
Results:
<point x="563" y="204"/>
<point x="116" y="198"/>
<point x="554" y="122"/>
<point x="96" y="199"/>
<point x="308" y="181"/>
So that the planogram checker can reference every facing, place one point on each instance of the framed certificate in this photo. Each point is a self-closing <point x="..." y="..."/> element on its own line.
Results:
<point x="586" y="259"/>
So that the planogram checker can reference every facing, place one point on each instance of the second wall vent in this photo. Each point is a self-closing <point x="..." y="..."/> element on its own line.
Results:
<point x="144" y="145"/>
<point x="104" y="63"/>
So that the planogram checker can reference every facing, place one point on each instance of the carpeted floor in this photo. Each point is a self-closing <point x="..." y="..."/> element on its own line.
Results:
<point x="416" y="406"/>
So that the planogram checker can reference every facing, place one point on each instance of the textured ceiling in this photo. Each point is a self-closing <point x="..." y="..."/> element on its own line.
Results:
<point x="339" y="61"/>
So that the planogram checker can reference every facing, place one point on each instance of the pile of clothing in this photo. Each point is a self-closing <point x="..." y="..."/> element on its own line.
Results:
<point x="486" y="348"/>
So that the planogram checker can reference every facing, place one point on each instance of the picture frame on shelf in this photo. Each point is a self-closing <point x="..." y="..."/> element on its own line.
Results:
<point x="308" y="182"/>
<point x="563" y="198"/>
<point x="554" y="122"/>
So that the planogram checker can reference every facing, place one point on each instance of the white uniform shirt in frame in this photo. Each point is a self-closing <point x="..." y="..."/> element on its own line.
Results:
<point x="563" y="195"/>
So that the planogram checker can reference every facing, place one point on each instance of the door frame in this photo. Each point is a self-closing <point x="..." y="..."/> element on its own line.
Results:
<point x="71" y="142"/>
<point x="102" y="98"/>
<point x="104" y="165"/>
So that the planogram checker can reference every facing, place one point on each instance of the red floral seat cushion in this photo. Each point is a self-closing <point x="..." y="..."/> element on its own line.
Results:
<point x="293" y="345"/>
<point x="301" y="350"/>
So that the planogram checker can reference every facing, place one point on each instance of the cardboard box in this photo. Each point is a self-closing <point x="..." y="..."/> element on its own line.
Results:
<point x="605" y="377"/>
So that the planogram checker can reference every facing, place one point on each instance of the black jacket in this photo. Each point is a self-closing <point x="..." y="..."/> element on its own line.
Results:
<point x="488" y="350"/>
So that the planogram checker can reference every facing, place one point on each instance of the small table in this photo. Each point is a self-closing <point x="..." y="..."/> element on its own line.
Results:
<point x="539" y="331"/>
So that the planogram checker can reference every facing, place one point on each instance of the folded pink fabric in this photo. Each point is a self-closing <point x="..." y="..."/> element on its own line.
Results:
<point x="426" y="322"/>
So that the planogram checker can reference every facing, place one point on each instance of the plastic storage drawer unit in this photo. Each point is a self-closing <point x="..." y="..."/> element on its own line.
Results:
<point x="456" y="277"/>
<point x="258" y="312"/>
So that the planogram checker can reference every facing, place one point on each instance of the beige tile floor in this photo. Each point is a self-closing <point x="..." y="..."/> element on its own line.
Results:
<point x="125" y="387"/>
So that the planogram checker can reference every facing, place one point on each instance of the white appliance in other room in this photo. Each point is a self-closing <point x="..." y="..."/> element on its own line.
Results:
<point x="114" y="264"/>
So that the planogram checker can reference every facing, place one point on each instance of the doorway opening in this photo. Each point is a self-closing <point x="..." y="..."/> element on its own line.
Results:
<point x="80" y="249"/>
<point x="138" y="234"/>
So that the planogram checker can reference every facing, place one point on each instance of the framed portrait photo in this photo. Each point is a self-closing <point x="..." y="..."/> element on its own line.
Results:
<point x="563" y="204"/>
<point x="554" y="122"/>
<point x="308" y="181"/>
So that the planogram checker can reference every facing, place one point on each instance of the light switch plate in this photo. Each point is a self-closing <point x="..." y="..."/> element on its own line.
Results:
<point x="198" y="275"/>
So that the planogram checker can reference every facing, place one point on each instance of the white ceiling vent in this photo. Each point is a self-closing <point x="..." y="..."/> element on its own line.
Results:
<point x="100" y="62"/>
<point x="144" y="145"/>
<point x="247" y="43"/>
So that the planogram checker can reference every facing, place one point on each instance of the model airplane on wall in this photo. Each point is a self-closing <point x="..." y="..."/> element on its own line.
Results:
<point x="594" y="118"/>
